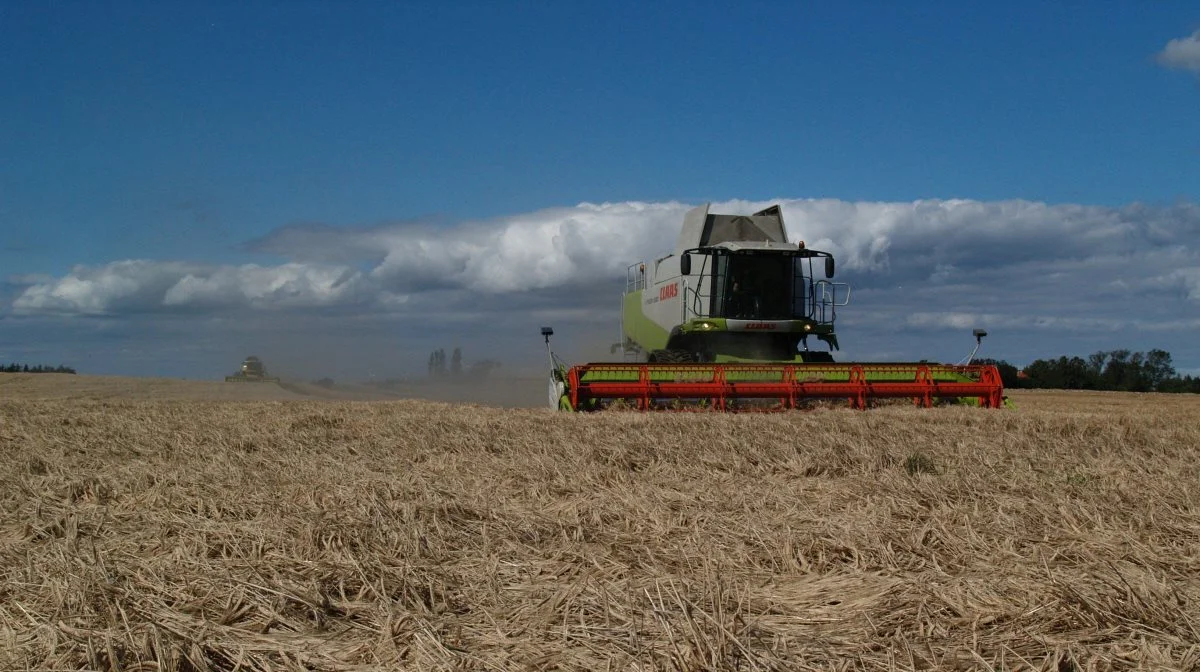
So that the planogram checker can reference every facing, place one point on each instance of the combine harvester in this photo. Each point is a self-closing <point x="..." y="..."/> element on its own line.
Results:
<point x="252" y="371"/>
<point x="724" y="323"/>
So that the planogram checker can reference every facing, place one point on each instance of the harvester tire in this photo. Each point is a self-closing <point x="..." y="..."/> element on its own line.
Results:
<point x="670" y="357"/>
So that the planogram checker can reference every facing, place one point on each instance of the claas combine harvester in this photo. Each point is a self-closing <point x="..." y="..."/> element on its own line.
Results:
<point x="725" y="323"/>
<point x="251" y="371"/>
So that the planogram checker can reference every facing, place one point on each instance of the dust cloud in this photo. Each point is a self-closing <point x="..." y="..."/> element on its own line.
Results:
<point x="508" y="370"/>
<point x="500" y="392"/>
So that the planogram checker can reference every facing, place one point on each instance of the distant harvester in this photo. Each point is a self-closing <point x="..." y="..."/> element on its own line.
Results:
<point x="252" y="371"/>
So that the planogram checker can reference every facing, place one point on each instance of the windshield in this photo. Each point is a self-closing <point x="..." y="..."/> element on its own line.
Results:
<point x="761" y="286"/>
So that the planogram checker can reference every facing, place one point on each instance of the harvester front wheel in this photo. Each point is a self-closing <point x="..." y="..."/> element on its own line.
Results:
<point x="670" y="357"/>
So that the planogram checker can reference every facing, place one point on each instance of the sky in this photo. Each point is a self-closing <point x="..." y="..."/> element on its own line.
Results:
<point x="342" y="187"/>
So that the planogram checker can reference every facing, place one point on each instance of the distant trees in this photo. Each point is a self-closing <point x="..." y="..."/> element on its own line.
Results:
<point x="437" y="363"/>
<point x="1189" y="384"/>
<point x="1064" y="373"/>
<point x="477" y="371"/>
<point x="25" y="368"/>
<point x="1121" y="370"/>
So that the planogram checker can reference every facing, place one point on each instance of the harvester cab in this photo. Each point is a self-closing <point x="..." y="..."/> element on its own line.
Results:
<point x="735" y="289"/>
<point x="725" y="322"/>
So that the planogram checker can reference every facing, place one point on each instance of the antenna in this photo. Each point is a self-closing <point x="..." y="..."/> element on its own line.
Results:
<point x="978" y="334"/>
<point x="547" y="332"/>
<point x="557" y="372"/>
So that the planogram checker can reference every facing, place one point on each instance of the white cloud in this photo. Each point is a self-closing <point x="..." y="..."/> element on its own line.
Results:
<point x="286" y="286"/>
<point x="124" y="286"/>
<point x="591" y="242"/>
<point x="1182" y="53"/>
<point x="535" y="250"/>
<point x="923" y="267"/>
<point x="943" y="243"/>
<point x="137" y="286"/>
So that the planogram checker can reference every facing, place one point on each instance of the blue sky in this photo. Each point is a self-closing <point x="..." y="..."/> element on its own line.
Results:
<point x="183" y="133"/>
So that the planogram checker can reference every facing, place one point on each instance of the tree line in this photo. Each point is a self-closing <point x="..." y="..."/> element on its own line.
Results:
<point x="38" y="368"/>
<point x="477" y="371"/>
<point x="1118" y="370"/>
<point x="437" y="363"/>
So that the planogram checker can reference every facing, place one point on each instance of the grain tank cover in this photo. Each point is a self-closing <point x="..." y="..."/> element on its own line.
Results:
<point x="703" y="229"/>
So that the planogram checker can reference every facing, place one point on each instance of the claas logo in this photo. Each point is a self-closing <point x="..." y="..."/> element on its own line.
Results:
<point x="669" y="291"/>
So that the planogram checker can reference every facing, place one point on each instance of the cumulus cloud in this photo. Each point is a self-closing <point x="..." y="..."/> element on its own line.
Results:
<point x="287" y="286"/>
<point x="529" y="251"/>
<point x="1182" y="53"/>
<point x="916" y="267"/>
<point x="138" y="286"/>
<point x="590" y="242"/>
<point x="133" y="285"/>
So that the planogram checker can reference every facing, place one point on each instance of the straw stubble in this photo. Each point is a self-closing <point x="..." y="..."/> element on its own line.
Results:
<point x="322" y="535"/>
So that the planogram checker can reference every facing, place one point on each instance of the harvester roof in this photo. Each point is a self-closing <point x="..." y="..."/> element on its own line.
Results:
<point x="749" y="246"/>
<point x="704" y="229"/>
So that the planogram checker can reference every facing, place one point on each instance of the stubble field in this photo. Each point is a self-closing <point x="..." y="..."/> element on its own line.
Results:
<point x="203" y="526"/>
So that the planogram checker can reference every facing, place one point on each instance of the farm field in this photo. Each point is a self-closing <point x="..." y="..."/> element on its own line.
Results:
<point x="178" y="525"/>
<point x="501" y="391"/>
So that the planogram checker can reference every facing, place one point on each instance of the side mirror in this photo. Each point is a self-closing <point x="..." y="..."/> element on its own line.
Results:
<point x="685" y="264"/>
<point x="829" y="267"/>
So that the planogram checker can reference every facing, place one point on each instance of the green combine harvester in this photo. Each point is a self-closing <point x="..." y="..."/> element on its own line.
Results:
<point x="725" y="323"/>
<point x="251" y="371"/>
